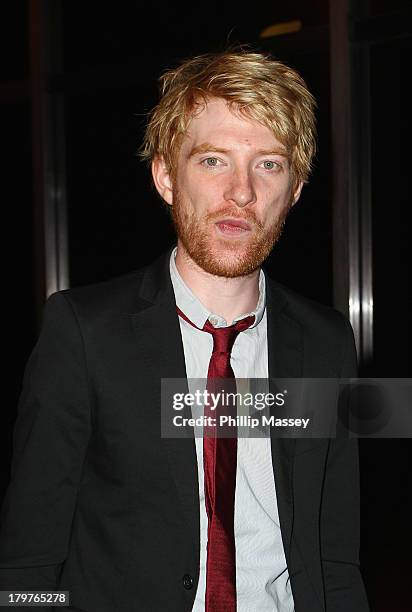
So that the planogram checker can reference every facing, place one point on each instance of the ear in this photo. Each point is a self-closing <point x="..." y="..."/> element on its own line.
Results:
<point x="296" y="192"/>
<point x="162" y="180"/>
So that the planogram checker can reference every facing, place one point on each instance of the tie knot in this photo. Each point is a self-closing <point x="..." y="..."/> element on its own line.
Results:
<point x="224" y="337"/>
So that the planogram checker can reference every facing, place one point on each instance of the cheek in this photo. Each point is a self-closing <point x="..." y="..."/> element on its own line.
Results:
<point x="276" y="187"/>
<point x="278" y="192"/>
<point x="274" y="203"/>
<point x="201" y="192"/>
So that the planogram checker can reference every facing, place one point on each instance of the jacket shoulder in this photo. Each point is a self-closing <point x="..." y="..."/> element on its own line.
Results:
<point x="312" y="316"/>
<point x="327" y="336"/>
<point x="119" y="294"/>
<point x="124" y="294"/>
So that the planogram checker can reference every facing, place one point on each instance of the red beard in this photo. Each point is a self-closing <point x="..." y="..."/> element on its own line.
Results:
<point x="219" y="256"/>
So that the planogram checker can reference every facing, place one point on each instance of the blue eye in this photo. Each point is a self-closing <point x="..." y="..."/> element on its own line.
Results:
<point x="211" y="161"/>
<point x="269" y="165"/>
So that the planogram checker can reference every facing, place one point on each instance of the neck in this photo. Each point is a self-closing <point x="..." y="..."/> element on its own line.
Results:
<point x="226" y="297"/>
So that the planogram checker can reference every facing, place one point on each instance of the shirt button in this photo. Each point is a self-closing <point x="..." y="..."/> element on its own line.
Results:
<point x="213" y="320"/>
<point x="187" y="581"/>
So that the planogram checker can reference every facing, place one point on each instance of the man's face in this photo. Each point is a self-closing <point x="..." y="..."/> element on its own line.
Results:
<point x="231" y="191"/>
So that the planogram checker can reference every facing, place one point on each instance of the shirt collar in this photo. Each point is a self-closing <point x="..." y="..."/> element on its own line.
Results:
<point x="197" y="312"/>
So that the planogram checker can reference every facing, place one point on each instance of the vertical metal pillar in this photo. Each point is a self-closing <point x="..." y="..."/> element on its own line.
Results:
<point x="362" y="179"/>
<point x="352" y="213"/>
<point x="48" y="146"/>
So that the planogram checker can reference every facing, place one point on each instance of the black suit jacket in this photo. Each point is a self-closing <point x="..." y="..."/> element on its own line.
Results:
<point x="100" y="505"/>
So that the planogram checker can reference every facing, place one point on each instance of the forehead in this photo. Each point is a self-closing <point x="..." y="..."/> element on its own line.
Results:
<point x="222" y="126"/>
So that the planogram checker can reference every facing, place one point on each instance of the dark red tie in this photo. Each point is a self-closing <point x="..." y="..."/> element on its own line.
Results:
<point x="219" y="461"/>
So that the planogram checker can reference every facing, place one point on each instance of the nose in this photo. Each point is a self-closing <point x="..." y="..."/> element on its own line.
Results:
<point x="240" y="189"/>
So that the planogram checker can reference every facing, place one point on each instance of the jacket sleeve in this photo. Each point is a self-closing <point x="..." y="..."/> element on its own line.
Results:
<point x="50" y="440"/>
<point x="339" y="526"/>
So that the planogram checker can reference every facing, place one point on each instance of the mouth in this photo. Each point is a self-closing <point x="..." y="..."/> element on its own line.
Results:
<point x="233" y="227"/>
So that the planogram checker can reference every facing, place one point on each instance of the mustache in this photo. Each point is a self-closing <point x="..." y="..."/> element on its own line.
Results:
<point x="248" y="216"/>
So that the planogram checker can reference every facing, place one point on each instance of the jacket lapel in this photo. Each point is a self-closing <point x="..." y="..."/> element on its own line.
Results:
<point x="285" y="353"/>
<point x="157" y="329"/>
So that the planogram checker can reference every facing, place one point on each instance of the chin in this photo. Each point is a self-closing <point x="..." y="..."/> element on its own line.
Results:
<point x="227" y="262"/>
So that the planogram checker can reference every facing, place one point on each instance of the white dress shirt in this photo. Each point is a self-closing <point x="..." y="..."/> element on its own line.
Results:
<point x="262" y="578"/>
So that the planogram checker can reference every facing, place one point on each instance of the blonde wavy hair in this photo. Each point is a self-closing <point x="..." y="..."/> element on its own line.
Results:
<point x="253" y="84"/>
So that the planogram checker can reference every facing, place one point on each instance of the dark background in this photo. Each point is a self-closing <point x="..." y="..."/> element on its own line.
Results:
<point x="97" y="64"/>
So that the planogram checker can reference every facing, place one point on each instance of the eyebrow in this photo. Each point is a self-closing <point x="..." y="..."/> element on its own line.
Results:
<point x="207" y="147"/>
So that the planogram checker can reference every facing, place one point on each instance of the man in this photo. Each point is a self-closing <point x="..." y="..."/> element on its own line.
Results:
<point x="99" y="503"/>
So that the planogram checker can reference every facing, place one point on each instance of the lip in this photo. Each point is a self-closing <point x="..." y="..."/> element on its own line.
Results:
<point x="233" y="225"/>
